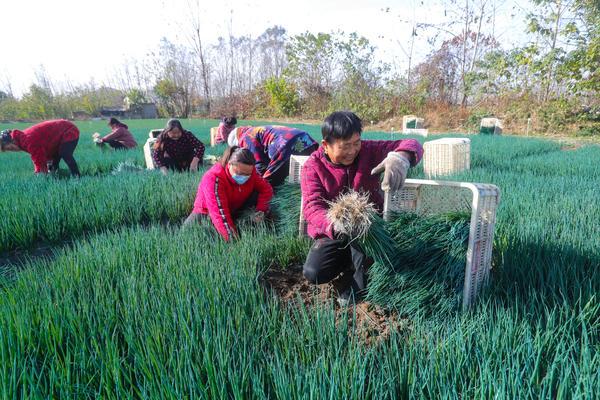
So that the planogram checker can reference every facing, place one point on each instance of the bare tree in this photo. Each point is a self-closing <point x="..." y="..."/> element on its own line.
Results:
<point x="199" y="50"/>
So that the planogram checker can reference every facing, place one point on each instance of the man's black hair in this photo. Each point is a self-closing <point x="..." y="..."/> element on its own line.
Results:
<point x="340" y="125"/>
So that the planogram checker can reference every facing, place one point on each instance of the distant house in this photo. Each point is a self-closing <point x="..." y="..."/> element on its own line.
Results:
<point x="136" y="111"/>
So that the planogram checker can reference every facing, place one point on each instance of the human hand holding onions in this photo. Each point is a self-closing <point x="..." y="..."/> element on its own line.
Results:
<point x="342" y="164"/>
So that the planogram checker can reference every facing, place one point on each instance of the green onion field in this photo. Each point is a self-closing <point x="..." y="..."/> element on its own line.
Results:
<point x="104" y="295"/>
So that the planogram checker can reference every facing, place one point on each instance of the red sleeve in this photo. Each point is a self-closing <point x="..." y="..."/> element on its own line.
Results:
<point x="411" y="146"/>
<point x="265" y="192"/>
<point x="114" y="135"/>
<point x="314" y="205"/>
<point x="218" y="206"/>
<point x="381" y="148"/>
<point x="38" y="156"/>
<point x="220" y="137"/>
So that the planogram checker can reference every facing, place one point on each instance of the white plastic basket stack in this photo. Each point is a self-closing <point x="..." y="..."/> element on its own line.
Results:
<point x="481" y="200"/>
<point x="446" y="156"/>
<point x="152" y="135"/>
<point x="296" y="163"/>
<point x="490" y="126"/>
<point x="213" y="136"/>
<point x="416" y="128"/>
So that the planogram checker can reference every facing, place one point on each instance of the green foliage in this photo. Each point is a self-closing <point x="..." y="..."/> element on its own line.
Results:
<point x="284" y="98"/>
<point x="168" y="94"/>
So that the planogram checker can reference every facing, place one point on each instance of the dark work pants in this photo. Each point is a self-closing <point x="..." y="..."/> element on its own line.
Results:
<point x="65" y="152"/>
<point x="116" y="144"/>
<point x="328" y="258"/>
<point x="178" y="165"/>
<point x="278" y="176"/>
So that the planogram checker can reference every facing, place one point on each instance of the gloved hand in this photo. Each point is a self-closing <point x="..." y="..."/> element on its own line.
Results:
<point x="396" y="168"/>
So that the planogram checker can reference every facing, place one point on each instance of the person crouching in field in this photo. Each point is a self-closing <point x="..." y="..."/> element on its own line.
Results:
<point x="229" y="187"/>
<point x="47" y="143"/>
<point x="177" y="149"/>
<point x="119" y="138"/>
<point x="345" y="162"/>
<point x="226" y="125"/>
<point x="272" y="147"/>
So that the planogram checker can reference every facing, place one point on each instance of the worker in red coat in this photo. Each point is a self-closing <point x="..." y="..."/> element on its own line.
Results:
<point x="47" y="142"/>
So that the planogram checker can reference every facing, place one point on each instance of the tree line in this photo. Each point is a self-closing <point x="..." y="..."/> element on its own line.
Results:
<point x="551" y="83"/>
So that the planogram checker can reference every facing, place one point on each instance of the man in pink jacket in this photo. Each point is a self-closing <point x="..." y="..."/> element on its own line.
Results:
<point x="345" y="162"/>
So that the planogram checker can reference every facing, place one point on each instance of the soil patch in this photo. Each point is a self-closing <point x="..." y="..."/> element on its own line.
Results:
<point x="371" y="323"/>
<point x="571" y="146"/>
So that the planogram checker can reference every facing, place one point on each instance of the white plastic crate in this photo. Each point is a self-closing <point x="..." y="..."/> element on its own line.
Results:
<point x="446" y="156"/>
<point x="148" y="153"/>
<point x="152" y="135"/>
<point x="410" y="118"/>
<point x="490" y="126"/>
<point x="213" y="136"/>
<point x="481" y="200"/>
<point x="296" y="163"/>
<point x="416" y="131"/>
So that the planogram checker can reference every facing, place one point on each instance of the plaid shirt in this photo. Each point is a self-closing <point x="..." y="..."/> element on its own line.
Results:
<point x="273" y="145"/>
<point x="181" y="151"/>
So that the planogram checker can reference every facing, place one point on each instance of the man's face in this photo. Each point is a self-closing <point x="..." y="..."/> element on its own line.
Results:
<point x="343" y="151"/>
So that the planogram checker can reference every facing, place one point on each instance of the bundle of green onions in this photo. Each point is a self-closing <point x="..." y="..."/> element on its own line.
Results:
<point x="353" y="216"/>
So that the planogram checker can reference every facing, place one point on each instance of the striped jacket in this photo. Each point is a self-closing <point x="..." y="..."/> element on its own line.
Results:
<point x="219" y="196"/>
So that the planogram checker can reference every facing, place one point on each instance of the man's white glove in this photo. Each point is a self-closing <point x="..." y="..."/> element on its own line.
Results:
<point x="396" y="167"/>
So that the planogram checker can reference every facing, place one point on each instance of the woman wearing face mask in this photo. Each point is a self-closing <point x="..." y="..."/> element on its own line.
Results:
<point x="177" y="149"/>
<point x="228" y="187"/>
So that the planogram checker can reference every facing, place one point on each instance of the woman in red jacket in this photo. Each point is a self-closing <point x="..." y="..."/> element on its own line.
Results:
<point x="228" y="187"/>
<point x="47" y="142"/>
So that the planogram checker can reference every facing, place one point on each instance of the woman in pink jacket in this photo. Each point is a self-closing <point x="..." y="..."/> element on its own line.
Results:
<point x="228" y="187"/>
<point x="345" y="162"/>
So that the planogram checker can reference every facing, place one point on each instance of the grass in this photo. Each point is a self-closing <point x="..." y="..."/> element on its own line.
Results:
<point x="154" y="311"/>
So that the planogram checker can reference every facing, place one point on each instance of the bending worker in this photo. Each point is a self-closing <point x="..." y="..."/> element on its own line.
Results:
<point x="272" y="147"/>
<point x="229" y="187"/>
<point x="345" y="162"/>
<point x="118" y="138"/>
<point x="47" y="143"/>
